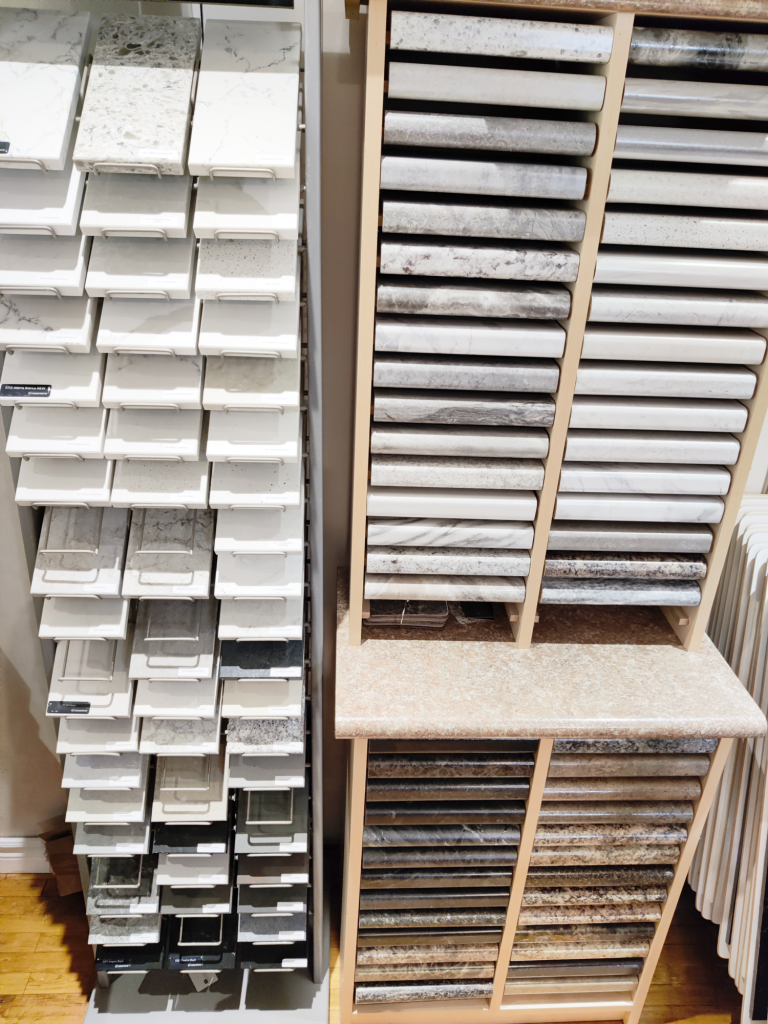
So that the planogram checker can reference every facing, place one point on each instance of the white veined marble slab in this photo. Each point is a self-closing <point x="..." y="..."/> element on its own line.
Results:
<point x="112" y="840"/>
<point x="492" y="261"/>
<point x="262" y="329"/>
<point x="143" y="484"/>
<point x="136" y="327"/>
<point x="651" y="537"/>
<point x="177" y="698"/>
<point x="673" y="344"/>
<point x="475" y="221"/>
<point x="410" y="370"/>
<point x="61" y="482"/>
<point x="448" y="83"/>
<point x="678" y="307"/>
<point x="240" y="270"/>
<point x="81" y="551"/>
<point x="213" y="869"/>
<point x="478" y="442"/>
<point x="47" y="324"/>
<point x="628" y="478"/>
<point x="98" y="735"/>
<point x="255" y="531"/>
<point x="687" y="47"/>
<point x="41" y="204"/>
<point x="514" y="300"/>
<point x="251" y="485"/>
<point x="608" y="413"/>
<point x="664" y="380"/>
<point x="258" y="772"/>
<point x="415" y="587"/>
<point x="482" y="177"/>
<point x="695" y="99"/>
<point x="640" y="508"/>
<point x="447" y="561"/>
<point x="61" y="433"/>
<point x="49" y="379"/>
<point x="680" y="270"/>
<point x="78" y="618"/>
<point x="233" y="383"/>
<point x="500" y="37"/>
<point x="626" y="227"/>
<point x="651" y="446"/>
<point x="181" y="736"/>
<point x="38" y="114"/>
<point x="691" y="145"/>
<point x="153" y="382"/>
<point x="450" y="471"/>
<point x="240" y="576"/>
<point x="141" y="268"/>
<point x="170" y="554"/>
<point x="683" y="593"/>
<point x="107" y="772"/>
<point x="108" y="805"/>
<point x="688" y="188"/>
<point x="265" y="698"/>
<point x="454" y="503"/>
<point x="254" y="436"/>
<point x="247" y="66"/>
<point x="454" y="336"/>
<point x="44" y="37"/>
<point x="118" y="205"/>
<point x="262" y="620"/>
<point x="43" y="266"/>
<point x="154" y="434"/>
<point x="189" y="789"/>
<point x="175" y="640"/>
<point x="449" y="533"/>
<point x="92" y="674"/>
<point x="478" y="408"/>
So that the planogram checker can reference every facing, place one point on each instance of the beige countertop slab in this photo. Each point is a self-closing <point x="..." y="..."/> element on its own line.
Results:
<point x="622" y="672"/>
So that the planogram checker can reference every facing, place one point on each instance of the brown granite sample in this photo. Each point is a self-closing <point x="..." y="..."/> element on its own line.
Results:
<point x="439" y="878"/>
<point x="588" y="855"/>
<point x="448" y="789"/>
<point x="574" y="968"/>
<point x="587" y="950"/>
<point x="635" y="746"/>
<point x="585" y="932"/>
<point x="445" y="813"/>
<point x="448" y="764"/>
<point x="585" y="834"/>
<point x="427" y="936"/>
<point x="627" y="765"/>
<point x="394" y="972"/>
<point x="590" y="915"/>
<point x="572" y="877"/>
<point x="439" y="953"/>
<point x="592" y="896"/>
<point x="441" y="835"/>
<point x="438" y="857"/>
<point x="450" y="746"/>
<point x="622" y="789"/>
<point x="437" y="899"/>
<point x="667" y="812"/>
<point x="432" y="918"/>
<point x="607" y="987"/>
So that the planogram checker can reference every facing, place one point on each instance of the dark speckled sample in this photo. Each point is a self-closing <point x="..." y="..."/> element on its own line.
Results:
<point x="425" y="972"/>
<point x="574" y="968"/>
<point x="598" y="565"/>
<point x="604" y="855"/>
<point x="404" y="992"/>
<point x="585" y="834"/>
<point x="622" y="789"/>
<point x="436" y="899"/>
<point x="437" y="857"/>
<point x="656" y="813"/>
<point x="432" y="918"/>
<point x="583" y="932"/>
<point x="448" y="789"/>
<point x="436" y="878"/>
<point x="262" y="659"/>
<point x="570" y="877"/>
<point x="631" y="746"/>
<point x="627" y="765"/>
<point x="442" y="835"/>
<point x="590" y="915"/>
<point x="427" y="936"/>
<point x="453" y="747"/>
<point x="444" y="812"/>
<point x="437" y="953"/>
<point x="584" y="896"/>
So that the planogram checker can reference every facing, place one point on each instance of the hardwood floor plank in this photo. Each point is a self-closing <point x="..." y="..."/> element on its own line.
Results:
<point x="13" y="984"/>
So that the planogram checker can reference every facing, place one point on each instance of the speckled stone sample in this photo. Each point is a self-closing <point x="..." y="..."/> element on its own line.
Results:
<point x="676" y="47"/>
<point x="587" y="834"/>
<point x="515" y="301"/>
<point x="677" y="812"/>
<point x="584" y="895"/>
<point x="651" y="447"/>
<point x="570" y="877"/>
<point x="600" y="566"/>
<point x="445" y="812"/>
<point x="436" y="953"/>
<point x="690" y="145"/>
<point x="490" y="261"/>
<point x="458" y="835"/>
<point x="636" y="746"/>
<point x="449" y="533"/>
<point x="414" y="587"/>
<point x="451" y="789"/>
<point x="573" y="950"/>
<point x="409" y="370"/>
<point x="472" y="337"/>
<point x="425" y="991"/>
<point x="695" y="99"/>
<point x="589" y="855"/>
<point x="590" y="915"/>
<point x="437" y="857"/>
<point x="434" y="899"/>
<point x="630" y="788"/>
<point x="127" y="41"/>
<point x="436" y="878"/>
<point x="265" y="736"/>
<point x="680" y="268"/>
<point x="451" y="561"/>
<point x="625" y="537"/>
<point x="455" y="935"/>
<point x="424" y="972"/>
<point x="482" y="177"/>
<point x="263" y="271"/>
<point x="556" y="934"/>
<point x="688" y="188"/>
<point x="432" y="918"/>
<point x="453" y="471"/>
<point x="449" y="765"/>
<point x="446" y="218"/>
<point x="622" y="227"/>
<point x="689" y="307"/>
<point x="489" y="408"/>
<point x="477" y="442"/>
<point x="507" y="134"/>
<point x="573" y="765"/>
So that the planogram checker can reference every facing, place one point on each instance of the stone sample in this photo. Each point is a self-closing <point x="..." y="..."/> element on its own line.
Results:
<point x="628" y="413"/>
<point x="449" y="533"/>
<point x="572" y="765"/>
<point x="574" y="877"/>
<point x="559" y="565"/>
<point x="435" y="878"/>
<point x="636" y="746"/>
<point x="626" y="478"/>
<point x="436" y="953"/>
<point x="47" y="203"/>
<point x="445" y="812"/>
<point x="39" y="266"/>
<point x="452" y="471"/>
<point x="695" y="99"/>
<point x="590" y="915"/>
<point x="623" y="227"/>
<point x="677" y="812"/>
<point x="446" y="259"/>
<point x="425" y="972"/>
<point x="588" y="834"/>
<point x="448" y="561"/>
<point x="431" y="918"/>
<point x="631" y="788"/>
<point x="506" y="134"/>
<point x="122" y="204"/>
<point x="515" y="301"/>
<point x="639" y="508"/>
<point x="153" y="382"/>
<point x="428" y="991"/>
<point x="405" y="587"/>
<point x="470" y="337"/>
<point x="482" y="177"/>
<point x="456" y="788"/>
<point x="264" y="329"/>
<point x="575" y="968"/>
<point x="487" y="408"/>
<point x="676" y="47"/>
<point x="475" y="442"/>
<point x="589" y="855"/>
<point x="673" y="344"/>
<point x="141" y="268"/>
<point x="615" y="537"/>
<point x="688" y="188"/>
<point x="501" y="763"/>
<point x="242" y="269"/>
<point x="651" y="446"/>
<point x="135" y="326"/>
<point x="441" y="835"/>
<point x="437" y="857"/>
<point x="445" y="218"/>
<point x="409" y="370"/>
<point x="455" y="935"/>
<point x="688" y="145"/>
<point x="48" y="324"/>
<point x="681" y="269"/>
<point x="458" y="503"/>
<point x="689" y="307"/>
<point x="50" y="481"/>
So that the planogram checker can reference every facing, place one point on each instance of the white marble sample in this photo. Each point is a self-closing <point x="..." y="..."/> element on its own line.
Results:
<point x="443" y="588"/>
<point x="233" y="384"/>
<point x="664" y="380"/>
<point x="444" y="336"/>
<point x="93" y="673"/>
<point x="47" y="324"/>
<point x="81" y="551"/>
<point x="175" y="640"/>
<point x="61" y="482"/>
<point x="258" y="772"/>
<point x="680" y="269"/>
<point x="43" y="36"/>
<point x="449" y="533"/>
<point x="263" y="698"/>
<point x="154" y="434"/>
<point x="512" y="300"/>
<point x="448" y="83"/>
<point x="107" y="805"/>
<point x="447" y="218"/>
<point x="494" y="262"/>
<point x="254" y="436"/>
<point x="137" y="107"/>
<point x="500" y="37"/>
<point x="50" y="379"/>
<point x="410" y="370"/>
<point x="181" y="736"/>
<point x="189" y="789"/>
<point x="679" y="307"/>
<point x="607" y="413"/>
<point x="673" y="344"/>
<point x="144" y="484"/>
<point x="242" y="577"/>
<point x="254" y="485"/>
<point x="243" y="270"/>
<point x="259" y="531"/>
<point x="141" y="268"/>
<point x="177" y="698"/>
<point x="417" y="502"/>
<point x="98" y="735"/>
<point x="682" y="593"/>
<point x="688" y="188"/>
<point x="112" y="840"/>
<point x="640" y="508"/>
<point x="136" y="327"/>
<point x="475" y="442"/>
<point x="43" y="266"/>
<point x="261" y="620"/>
<point x="702" y="231"/>
<point x="60" y="433"/>
<point x="175" y="869"/>
<point x="105" y="772"/>
<point x="691" y="145"/>
<point x="262" y="329"/>
<point x="613" y="537"/>
<point x="78" y="618"/>
<point x="628" y="478"/>
<point x="38" y="114"/>
<point x="686" y="47"/>
<point x="153" y="382"/>
<point x="695" y="99"/>
<point x="447" y="561"/>
<point x="125" y="205"/>
<point x="479" y="408"/>
<point x="482" y="177"/>
<point x="41" y="204"/>
<point x="170" y="553"/>
<point x="450" y="471"/>
<point x="651" y="446"/>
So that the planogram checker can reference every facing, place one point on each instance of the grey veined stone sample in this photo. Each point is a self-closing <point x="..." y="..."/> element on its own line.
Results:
<point x="482" y="177"/>
<point x="449" y="533"/>
<point x="603" y="412"/>
<point x="439" y="471"/>
<point x="639" y="508"/>
<point x="627" y="478"/>
<point x="695" y="99"/>
<point x="691" y="145"/>
<point x="408" y="587"/>
<point x="503" y="263"/>
<point x="398" y="992"/>
<point x="470" y="337"/>
<point x="631" y="592"/>
<point x="474" y="131"/>
<point x="640" y="537"/>
<point x="446" y="218"/>
<point x="623" y="227"/>
<point x="395" y="370"/>
<point x="477" y="442"/>
<point x="689" y="307"/>
<point x="663" y="380"/>
<point x="688" y="188"/>
<point x="513" y="301"/>
<point x="448" y="561"/>
<point x="585" y="565"/>
<point x="682" y="47"/>
<point x="493" y="409"/>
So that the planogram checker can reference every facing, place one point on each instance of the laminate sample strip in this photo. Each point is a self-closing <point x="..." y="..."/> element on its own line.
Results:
<point x="447" y="259"/>
<point x="688" y="145"/>
<point x="655" y="447"/>
<point x="603" y="855"/>
<point x="405" y="587"/>
<point x="590" y="915"/>
<point x="592" y="765"/>
<point x="449" y="765"/>
<point x="436" y="878"/>
<point x="609" y="896"/>
<point x="449" y="533"/>
<point x="613" y="537"/>
<point x="434" y="899"/>
<point x="450" y="835"/>
<point x="409" y="370"/>
<point x="622" y="227"/>
<point x="695" y="99"/>
<point x="678" y="307"/>
<point x="636" y="746"/>
<point x="630" y="788"/>
<point x="673" y="345"/>
<point x="675" y="47"/>
<point x="451" y="471"/>
<point x="681" y="269"/>
<point x="688" y="188"/>
<point x="614" y="835"/>
<point x="459" y="503"/>
<point x="627" y="478"/>
<point x="406" y="993"/>
<point x="638" y="508"/>
<point x="508" y="134"/>
<point x="439" y="857"/>
<point x="445" y="218"/>
<point x="448" y="561"/>
<point x="583" y="565"/>
<point x="488" y="408"/>
<point x="573" y="877"/>
<point x="574" y="968"/>
<point x="628" y="413"/>
<point x="456" y="935"/>
<point x="444" y="812"/>
<point x="628" y="592"/>
<point x="425" y="972"/>
<point x="513" y="301"/>
<point x="471" y="337"/>
<point x="476" y="442"/>
<point x="482" y="177"/>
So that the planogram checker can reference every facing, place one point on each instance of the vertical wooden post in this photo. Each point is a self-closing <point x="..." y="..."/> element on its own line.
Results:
<point x="353" y="859"/>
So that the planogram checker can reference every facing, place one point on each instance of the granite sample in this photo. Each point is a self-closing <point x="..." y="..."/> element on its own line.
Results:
<point x="513" y="301"/>
<point x="630" y="788"/>
<point x="455" y="935"/>
<point x="680" y="307"/>
<point x="431" y="918"/>
<point x="590" y="915"/>
<point x="695" y="99"/>
<point x="656" y="447"/>
<point x="47" y="324"/>
<point x="506" y="134"/>
<point x="590" y="765"/>
<point x="482" y="177"/>
<point x="434" y="878"/>
<point x="636" y="746"/>
<point x="476" y="442"/>
<point x="180" y="736"/>
<point x="456" y="835"/>
<point x="654" y="508"/>
<point x="448" y="561"/>
<point x="489" y="261"/>
<point x="675" y="47"/>
<point x="122" y="204"/>
<point x="690" y="145"/>
<point x="141" y="268"/>
<point x="409" y="370"/>
<point x="572" y="877"/>
<point x="479" y="952"/>
<point x="582" y="565"/>
<point x="593" y="855"/>
<point x="613" y="835"/>
<point x="504" y="764"/>
<point x="681" y="269"/>
<point x="445" y="812"/>
<point x="436" y="857"/>
<point x="471" y="337"/>
<point x="428" y="991"/>
<point x="266" y="736"/>
<point x="454" y="471"/>
<point x="243" y="269"/>
<point x="586" y="896"/>
<point x="489" y="408"/>
<point x="425" y="972"/>
<point x="434" y="899"/>
<point x="673" y="344"/>
<point x="449" y="533"/>
<point x="40" y="266"/>
<point x="623" y="227"/>
<point x="406" y="587"/>
<point x="688" y="188"/>
<point x="416" y="790"/>
<point x="629" y="413"/>
<point x="587" y="950"/>
<point x="131" y="930"/>
<point x="446" y="218"/>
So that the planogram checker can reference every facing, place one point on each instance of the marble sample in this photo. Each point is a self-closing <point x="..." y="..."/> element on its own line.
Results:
<point x="254" y="329"/>
<point x="81" y="551"/>
<point x="688" y="188"/>
<point x="156" y="434"/>
<point x="636" y="746"/>
<point x="688" y="414"/>
<point x="489" y="261"/>
<point x="98" y="736"/>
<point x="143" y="484"/>
<point x="50" y="378"/>
<point x="446" y="218"/>
<point x="639" y="508"/>
<point x="676" y="812"/>
<point x="270" y="575"/>
<point x="136" y="112"/>
<point x="449" y="83"/>
<point x="441" y="835"/>
<point x="507" y="134"/>
<point x="589" y="855"/>
<point x="673" y="344"/>
<point x="590" y="915"/>
<point x="129" y="769"/>
<point x="242" y="269"/>
<point x="233" y="384"/>
<point x="141" y="268"/>
<point x="437" y="857"/>
<point x="152" y="382"/>
<point x="252" y="485"/>
<point x="45" y="204"/>
<point x="266" y="736"/>
<point x="132" y="930"/>
<point x="582" y="565"/>
<point x="627" y="478"/>
<point x="680" y="307"/>
<point x="174" y="639"/>
<point x="136" y="327"/>
<point x="170" y="553"/>
<point x="77" y="618"/>
<point x="475" y="442"/>
<point x="418" y="502"/>
<point x="435" y="953"/>
<point x="734" y="51"/>
<point x="588" y="834"/>
<point x="680" y="269"/>
<point x="482" y="177"/>
<point x="691" y="145"/>
<point x="468" y="337"/>
<point x="426" y="972"/>
<point x="573" y="765"/>
<point x="451" y="407"/>
<point x="587" y="950"/>
<point x="60" y="433"/>
<point x="573" y="877"/>
<point x="409" y="370"/>
<point x="47" y="324"/>
<point x="188" y="789"/>
<point x="255" y="531"/>
<point x="123" y="205"/>
<point x="58" y="481"/>
<point x="44" y="37"/>
<point x="695" y="99"/>
<point x="447" y="561"/>
<point x="38" y="114"/>
<point x="261" y="620"/>
<point x="178" y="736"/>
<point x="452" y="471"/>
<point x="108" y="805"/>
<point x="449" y="533"/>
<point x="615" y="537"/>
<point x="243" y="436"/>
<point x="515" y="301"/>
<point x="43" y="266"/>
<point x="631" y="788"/>
<point x="445" y="812"/>
<point x="747" y="234"/>
<point x="264" y="698"/>
<point x="502" y="764"/>
<point x="246" y="66"/>
<point x="655" y="447"/>
<point x="431" y="918"/>
<point x="406" y="587"/>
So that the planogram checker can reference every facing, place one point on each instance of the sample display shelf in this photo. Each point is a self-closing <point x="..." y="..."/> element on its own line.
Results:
<point x="561" y="336"/>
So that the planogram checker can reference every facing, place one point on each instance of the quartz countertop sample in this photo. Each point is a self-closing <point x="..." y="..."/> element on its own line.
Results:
<point x="482" y="177"/>
<point x="141" y="268"/>
<point x="248" y="270"/>
<point x="47" y="324"/>
<point x="124" y="204"/>
<point x="268" y="329"/>
<point x="472" y="337"/>
<point x="135" y="326"/>
<point x="485" y="221"/>
<point x="43" y="266"/>
<point x="690" y="145"/>
<point x="486" y="260"/>
<point x="32" y="204"/>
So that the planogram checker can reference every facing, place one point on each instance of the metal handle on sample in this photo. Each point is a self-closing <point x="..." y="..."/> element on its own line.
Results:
<point x="43" y="289"/>
<point x="254" y="408"/>
<point x="86" y="639"/>
<point x="87" y="597"/>
<point x="271" y="508"/>
<point x="62" y="504"/>
<point x="176" y="597"/>
<point x="42" y="548"/>
<point x="21" y="162"/>
<point x="124" y="406"/>
<point x="252" y="355"/>
<point x="242" y="172"/>
<point x="53" y="455"/>
<point x="277" y="639"/>
<point x="258" y="551"/>
<point x="222" y="234"/>
<point x="127" y="293"/>
<point x="104" y="166"/>
<point x="38" y="348"/>
<point x="247" y="297"/>
<point x="157" y="505"/>
<point x="144" y="352"/>
<point x="47" y="405"/>
<point x="137" y="233"/>
<point x="27" y="229"/>
<point x="153" y="458"/>
<point x="255" y="458"/>
<point x="277" y="597"/>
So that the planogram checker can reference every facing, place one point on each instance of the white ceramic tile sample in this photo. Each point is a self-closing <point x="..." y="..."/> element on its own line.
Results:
<point x="444" y="588"/>
<point x="482" y="177"/>
<point x="191" y="788"/>
<point x="651" y="446"/>
<point x="169" y="554"/>
<point x="604" y="413"/>
<point x="47" y="378"/>
<point x="673" y="344"/>
<point x="683" y="593"/>
<point x="141" y="268"/>
<point x="474" y="442"/>
<point x="468" y="337"/>
<point x="142" y="484"/>
<point x="254" y="436"/>
<point x="250" y="485"/>
<point x="680" y="307"/>
<point x="41" y="204"/>
<point x="445" y="561"/>
<point x="43" y="266"/>
<point x="627" y="478"/>
<point x="688" y="188"/>
<point x="467" y="504"/>
<point x="609" y="537"/>
<point x="263" y="698"/>
<point x="453" y="471"/>
<point x="176" y="699"/>
<point x="449" y="533"/>
<point x="651" y="508"/>
<point x="81" y="551"/>
<point x="246" y="66"/>
<point x="175" y="640"/>
<point x="153" y="382"/>
<point x="261" y="620"/>
<point x="250" y="577"/>
<point x="105" y="772"/>
<point x="241" y="270"/>
<point x="91" y="676"/>
<point x="125" y="205"/>
<point x="112" y="840"/>
<point x="47" y="324"/>
<point x="680" y="269"/>
<point x="259" y="530"/>
<point x="61" y="433"/>
<point x="258" y="772"/>
<point x="664" y="380"/>
<point x="108" y="805"/>
<point x="250" y="329"/>
<point x="61" y="482"/>
<point x="695" y="99"/>
<point x="179" y="736"/>
<point x="695" y="230"/>
<point x="38" y="113"/>
<point x="134" y="327"/>
<point x="251" y="384"/>
<point x="98" y="735"/>
<point x="176" y="869"/>
<point x="78" y="618"/>
<point x="691" y="145"/>
<point x="154" y="434"/>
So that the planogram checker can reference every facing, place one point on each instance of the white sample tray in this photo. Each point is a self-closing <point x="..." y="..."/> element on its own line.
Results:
<point x="50" y="379"/>
<point x="148" y="327"/>
<point x="263" y="698"/>
<point x="175" y="698"/>
<point x="262" y="620"/>
<point x="170" y="553"/>
<point x="112" y="840"/>
<point x="175" y="640"/>
<point x="106" y="805"/>
<point x="82" y="618"/>
<point x="191" y="789"/>
<point x="240" y="577"/>
<point x="41" y="204"/>
<point x="81" y="551"/>
<point x="58" y="433"/>
<point x="153" y="382"/>
<point x="141" y="268"/>
<point x="43" y="266"/>
<point x="105" y="771"/>
<point x="261" y="329"/>
<point x="193" y="869"/>
<point x="259" y="530"/>
<point x="157" y="435"/>
<point x="143" y="484"/>
<point x="62" y="482"/>
<point x="46" y="324"/>
<point x="254" y="436"/>
<point x="181" y="736"/>
<point x="130" y="205"/>
<point x="233" y="383"/>
<point x="90" y="678"/>
<point x="249" y="485"/>
<point x="253" y="771"/>
<point x="98" y="735"/>
<point x="247" y="271"/>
